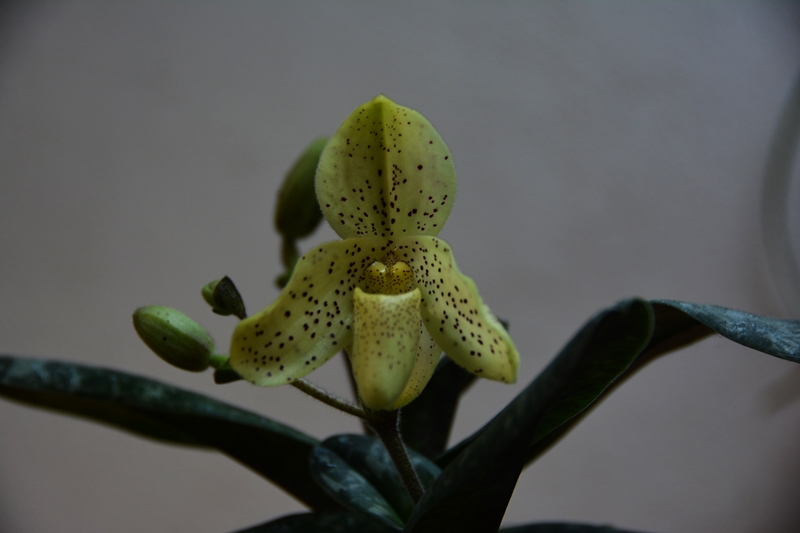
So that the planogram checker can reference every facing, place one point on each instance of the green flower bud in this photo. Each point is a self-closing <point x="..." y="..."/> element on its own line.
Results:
<point x="174" y="337"/>
<point x="298" y="213"/>
<point x="224" y="298"/>
<point x="208" y="292"/>
<point x="290" y="255"/>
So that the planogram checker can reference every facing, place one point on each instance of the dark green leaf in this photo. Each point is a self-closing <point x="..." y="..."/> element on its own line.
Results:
<point x="679" y="324"/>
<point x="425" y="423"/>
<point x="563" y="527"/>
<point x="319" y="523"/>
<point x="473" y="491"/>
<point x="155" y="410"/>
<point x="346" y="486"/>
<point x="368" y="456"/>
<point x="673" y="330"/>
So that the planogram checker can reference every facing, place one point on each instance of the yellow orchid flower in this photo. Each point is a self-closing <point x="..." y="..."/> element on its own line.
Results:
<point x="389" y="293"/>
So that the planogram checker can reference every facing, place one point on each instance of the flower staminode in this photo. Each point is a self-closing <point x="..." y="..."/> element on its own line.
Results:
<point x="389" y="293"/>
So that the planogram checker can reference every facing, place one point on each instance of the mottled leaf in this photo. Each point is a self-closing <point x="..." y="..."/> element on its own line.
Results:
<point x="563" y="527"/>
<point x="773" y="336"/>
<point x="345" y="485"/>
<point x="368" y="456"/>
<point x="319" y="523"/>
<point x="155" y="410"/>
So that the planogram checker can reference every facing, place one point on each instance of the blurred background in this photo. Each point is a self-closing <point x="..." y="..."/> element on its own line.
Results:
<point x="604" y="150"/>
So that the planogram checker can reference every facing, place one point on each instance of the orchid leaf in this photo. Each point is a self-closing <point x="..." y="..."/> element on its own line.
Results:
<point x="679" y="324"/>
<point x="473" y="491"/>
<point x="773" y="336"/>
<point x="319" y="523"/>
<point x="168" y="414"/>
<point x="563" y="527"/>
<point x="345" y="485"/>
<point x="368" y="456"/>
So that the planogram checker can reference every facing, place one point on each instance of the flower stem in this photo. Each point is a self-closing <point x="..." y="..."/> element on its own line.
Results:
<point x="220" y="361"/>
<point x="328" y="398"/>
<point x="385" y="424"/>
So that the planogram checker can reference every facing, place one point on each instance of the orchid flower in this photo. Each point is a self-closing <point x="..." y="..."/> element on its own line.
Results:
<point x="389" y="293"/>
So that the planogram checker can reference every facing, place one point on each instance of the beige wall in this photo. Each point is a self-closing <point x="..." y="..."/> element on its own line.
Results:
<point x="603" y="150"/>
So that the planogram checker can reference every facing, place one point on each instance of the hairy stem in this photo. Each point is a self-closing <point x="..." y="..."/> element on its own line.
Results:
<point x="385" y="425"/>
<point x="328" y="398"/>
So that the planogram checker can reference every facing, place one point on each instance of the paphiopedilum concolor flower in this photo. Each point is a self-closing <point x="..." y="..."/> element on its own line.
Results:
<point x="389" y="292"/>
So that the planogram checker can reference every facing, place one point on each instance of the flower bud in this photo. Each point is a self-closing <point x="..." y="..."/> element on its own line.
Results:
<point x="290" y="255"/>
<point x="224" y="298"/>
<point x="298" y="214"/>
<point x="208" y="292"/>
<point x="174" y="337"/>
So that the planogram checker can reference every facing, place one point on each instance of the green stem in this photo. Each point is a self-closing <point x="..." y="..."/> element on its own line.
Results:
<point x="385" y="424"/>
<point x="220" y="361"/>
<point x="223" y="372"/>
<point x="328" y="398"/>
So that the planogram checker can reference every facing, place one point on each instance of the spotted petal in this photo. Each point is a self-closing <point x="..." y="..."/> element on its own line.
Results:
<point x="312" y="318"/>
<point x="454" y="314"/>
<point x="385" y="343"/>
<point x="386" y="172"/>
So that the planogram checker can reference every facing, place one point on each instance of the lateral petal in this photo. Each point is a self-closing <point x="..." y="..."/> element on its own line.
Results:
<point x="386" y="172"/>
<point x="312" y="318"/>
<point x="385" y="339"/>
<point x="454" y="314"/>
